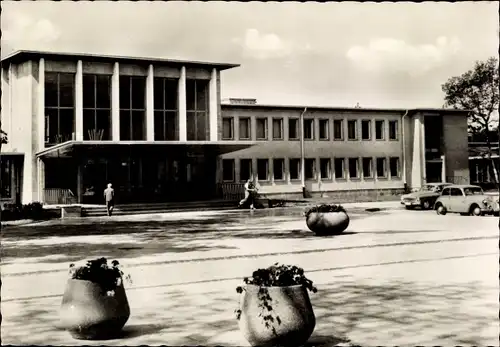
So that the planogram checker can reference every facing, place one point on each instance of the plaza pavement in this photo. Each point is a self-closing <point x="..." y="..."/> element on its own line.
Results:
<point x="396" y="277"/>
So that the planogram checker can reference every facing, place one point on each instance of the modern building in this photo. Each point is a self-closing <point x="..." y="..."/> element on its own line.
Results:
<point x="157" y="130"/>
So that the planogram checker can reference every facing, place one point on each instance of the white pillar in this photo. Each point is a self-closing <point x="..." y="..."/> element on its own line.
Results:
<point x="213" y="107"/>
<point x="115" y="103"/>
<point x="150" y="120"/>
<point x="416" y="167"/>
<point x="422" y="152"/>
<point x="443" y="168"/>
<point x="41" y="105"/>
<point x="182" y="106"/>
<point x="79" y="101"/>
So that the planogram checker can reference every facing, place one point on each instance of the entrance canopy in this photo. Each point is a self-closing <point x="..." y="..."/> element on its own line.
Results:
<point x="73" y="149"/>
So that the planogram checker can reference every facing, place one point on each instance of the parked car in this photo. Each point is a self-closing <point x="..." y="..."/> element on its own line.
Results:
<point x="466" y="200"/>
<point x="425" y="197"/>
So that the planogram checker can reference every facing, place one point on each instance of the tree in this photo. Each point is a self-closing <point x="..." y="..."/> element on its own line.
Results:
<point x="477" y="90"/>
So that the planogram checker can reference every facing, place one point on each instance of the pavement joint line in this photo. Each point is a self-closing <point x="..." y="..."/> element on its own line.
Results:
<point x="309" y="271"/>
<point x="317" y="250"/>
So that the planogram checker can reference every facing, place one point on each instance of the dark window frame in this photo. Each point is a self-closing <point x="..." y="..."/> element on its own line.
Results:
<point x="231" y="128"/>
<point x="341" y="122"/>
<point x="310" y="163"/>
<point x="266" y="128"/>
<point x="396" y="130"/>
<point x="384" y="167"/>
<point x="321" y="122"/>
<point x="328" y="168"/>
<point x="282" y="160"/>
<point x="365" y="121"/>
<point x="249" y="127"/>
<point x="380" y="121"/>
<point x="342" y="161"/>
<point x="95" y="107"/>
<point x="292" y="162"/>
<point x="398" y="169"/>
<point x="312" y="132"/>
<point x="358" y="173"/>
<point x="281" y="123"/>
<point x="262" y="160"/>
<point x="166" y="112"/>
<point x="130" y="110"/>
<point x="232" y="162"/>
<point x="296" y="127"/>
<point x="250" y="173"/>
<point x="197" y="111"/>
<point x="356" y="135"/>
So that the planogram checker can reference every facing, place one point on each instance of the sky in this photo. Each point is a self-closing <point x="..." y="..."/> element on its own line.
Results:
<point x="317" y="54"/>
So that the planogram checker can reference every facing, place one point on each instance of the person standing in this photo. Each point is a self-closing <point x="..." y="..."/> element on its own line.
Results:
<point x="109" y="196"/>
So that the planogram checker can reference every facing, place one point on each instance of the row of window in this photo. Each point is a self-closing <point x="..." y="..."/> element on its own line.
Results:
<point x="353" y="129"/>
<point x="60" y="107"/>
<point x="356" y="168"/>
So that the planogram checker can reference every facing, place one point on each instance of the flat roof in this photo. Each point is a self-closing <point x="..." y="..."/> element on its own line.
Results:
<point x="343" y="109"/>
<point x="24" y="55"/>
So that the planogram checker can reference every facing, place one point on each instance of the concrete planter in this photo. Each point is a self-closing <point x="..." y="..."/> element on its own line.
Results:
<point x="293" y="318"/>
<point x="88" y="313"/>
<point x="327" y="223"/>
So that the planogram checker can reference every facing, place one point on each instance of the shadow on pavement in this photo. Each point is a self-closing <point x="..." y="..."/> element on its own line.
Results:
<point x="347" y="312"/>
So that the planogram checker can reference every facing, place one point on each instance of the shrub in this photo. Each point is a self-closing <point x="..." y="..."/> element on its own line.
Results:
<point x="98" y="271"/>
<point x="32" y="210"/>
<point x="324" y="208"/>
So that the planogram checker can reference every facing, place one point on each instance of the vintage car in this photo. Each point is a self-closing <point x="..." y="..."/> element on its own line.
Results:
<point x="425" y="197"/>
<point x="466" y="200"/>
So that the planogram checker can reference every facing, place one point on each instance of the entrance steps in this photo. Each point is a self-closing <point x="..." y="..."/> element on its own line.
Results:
<point x="130" y="209"/>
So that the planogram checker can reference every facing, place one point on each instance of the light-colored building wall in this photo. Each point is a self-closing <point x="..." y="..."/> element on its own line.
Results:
<point x="456" y="148"/>
<point x="318" y="149"/>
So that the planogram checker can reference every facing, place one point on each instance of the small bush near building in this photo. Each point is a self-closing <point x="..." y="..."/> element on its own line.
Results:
<point x="32" y="210"/>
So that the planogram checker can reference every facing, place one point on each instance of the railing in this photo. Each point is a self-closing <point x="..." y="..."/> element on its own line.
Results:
<point x="61" y="196"/>
<point x="231" y="191"/>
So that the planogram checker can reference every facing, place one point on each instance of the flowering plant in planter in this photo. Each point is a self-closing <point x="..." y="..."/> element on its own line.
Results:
<point x="274" y="276"/>
<point x="98" y="271"/>
<point x="324" y="208"/>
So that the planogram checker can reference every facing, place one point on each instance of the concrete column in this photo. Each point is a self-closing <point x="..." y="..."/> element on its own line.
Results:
<point x="79" y="101"/>
<point x="422" y="152"/>
<point x="182" y="106"/>
<point x="41" y="180"/>
<point x="115" y="103"/>
<point x="41" y="105"/>
<point x="416" y="169"/>
<point x="212" y="110"/>
<point x="150" y="120"/>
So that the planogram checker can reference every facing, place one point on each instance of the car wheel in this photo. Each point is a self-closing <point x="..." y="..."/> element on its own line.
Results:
<point x="426" y="205"/>
<point x="441" y="210"/>
<point x="475" y="210"/>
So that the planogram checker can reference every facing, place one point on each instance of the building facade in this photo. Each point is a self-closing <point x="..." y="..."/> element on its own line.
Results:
<point x="157" y="130"/>
<point x="346" y="150"/>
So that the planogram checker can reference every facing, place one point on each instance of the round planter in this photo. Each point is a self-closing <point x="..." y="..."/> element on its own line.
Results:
<point x="88" y="313"/>
<point x="327" y="223"/>
<point x="290" y="304"/>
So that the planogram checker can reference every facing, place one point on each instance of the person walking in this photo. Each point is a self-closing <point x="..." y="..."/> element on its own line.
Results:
<point x="109" y="196"/>
<point x="250" y="193"/>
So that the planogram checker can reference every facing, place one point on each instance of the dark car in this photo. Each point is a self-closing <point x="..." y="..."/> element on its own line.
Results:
<point x="425" y="197"/>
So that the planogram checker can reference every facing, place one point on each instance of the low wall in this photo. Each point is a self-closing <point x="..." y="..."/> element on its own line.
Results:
<point x="345" y="196"/>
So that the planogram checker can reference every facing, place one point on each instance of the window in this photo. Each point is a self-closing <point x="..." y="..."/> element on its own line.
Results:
<point x="228" y="170"/>
<point x="379" y="129"/>
<point x="5" y="178"/>
<point x="310" y="166"/>
<point x="309" y="129"/>
<point x="394" y="166"/>
<point x="446" y="191"/>
<point x="338" y="133"/>
<point x="245" y="169"/>
<point x="367" y="168"/>
<point x="59" y="107"/>
<point x="339" y="167"/>
<point x="393" y="130"/>
<point x="279" y="169"/>
<point x="325" y="168"/>
<point x="294" y="169"/>
<point x="165" y="109"/>
<point x="381" y="170"/>
<point x="324" y="131"/>
<point x="365" y="129"/>
<point x="227" y="128"/>
<point x="262" y="169"/>
<point x="456" y="192"/>
<point x="244" y="128"/>
<point x="352" y="131"/>
<point x="353" y="168"/>
<point x="261" y="128"/>
<point x="132" y="107"/>
<point x="277" y="128"/>
<point x="96" y="107"/>
<point x="293" y="128"/>
<point x="197" y="109"/>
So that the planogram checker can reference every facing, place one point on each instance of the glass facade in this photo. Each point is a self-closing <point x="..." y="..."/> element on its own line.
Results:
<point x="132" y="108"/>
<point x="96" y="107"/>
<point x="59" y="107"/>
<point x="197" y="109"/>
<point x="166" y="116"/>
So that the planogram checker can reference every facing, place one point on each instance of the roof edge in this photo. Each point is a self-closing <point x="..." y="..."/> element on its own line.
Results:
<point x="18" y="55"/>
